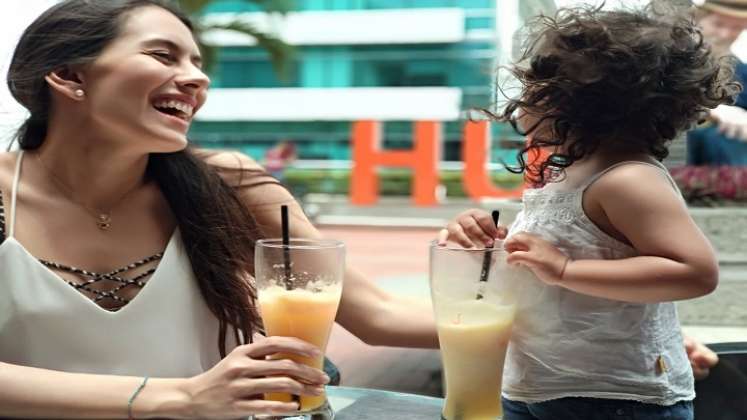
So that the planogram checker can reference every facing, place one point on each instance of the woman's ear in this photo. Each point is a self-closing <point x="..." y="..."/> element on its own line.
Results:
<point x="67" y="82"/>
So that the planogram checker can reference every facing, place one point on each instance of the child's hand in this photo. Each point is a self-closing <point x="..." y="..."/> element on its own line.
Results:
<point x="472" y="228"/>
<point x="540" y="256"/>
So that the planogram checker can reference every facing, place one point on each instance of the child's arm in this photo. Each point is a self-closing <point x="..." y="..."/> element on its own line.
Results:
<point x="637" y="202"/>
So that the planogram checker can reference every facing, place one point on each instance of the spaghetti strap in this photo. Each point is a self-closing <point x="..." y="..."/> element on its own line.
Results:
<point x="656" y="165"/>
<point x="14" y="194"/>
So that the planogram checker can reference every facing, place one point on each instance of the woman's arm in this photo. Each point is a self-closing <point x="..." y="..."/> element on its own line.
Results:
<point x="676" y="260"/>
<point x="228" y="390"/>
<point x="27" y="392"/>
<point x="367" y="311"/>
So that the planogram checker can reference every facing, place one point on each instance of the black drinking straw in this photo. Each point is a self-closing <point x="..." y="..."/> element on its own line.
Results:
<point x="286" y="246"/>
<point x="486" y="259"/>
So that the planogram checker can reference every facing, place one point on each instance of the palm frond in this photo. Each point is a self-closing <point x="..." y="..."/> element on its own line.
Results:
<point x="280" y="52"/>
<point x="193" y="7"/>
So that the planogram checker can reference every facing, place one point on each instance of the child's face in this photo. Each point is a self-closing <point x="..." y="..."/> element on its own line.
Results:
<point x="721" y="30"/>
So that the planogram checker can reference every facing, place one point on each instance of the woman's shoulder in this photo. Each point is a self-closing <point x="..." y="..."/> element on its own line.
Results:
<point x="7" y="169"/>
<point x="228" y="159"/>
<point x="255" y="185"/>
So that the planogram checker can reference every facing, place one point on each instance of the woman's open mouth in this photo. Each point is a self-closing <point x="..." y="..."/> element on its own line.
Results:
<point x="175" y="108"/>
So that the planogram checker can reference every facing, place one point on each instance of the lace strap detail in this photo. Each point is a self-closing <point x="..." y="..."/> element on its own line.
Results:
<point x="91" y="278"/>
<point x="2" y="219"/>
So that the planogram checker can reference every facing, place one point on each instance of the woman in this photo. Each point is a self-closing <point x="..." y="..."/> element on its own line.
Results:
<point x="105" y="179"/>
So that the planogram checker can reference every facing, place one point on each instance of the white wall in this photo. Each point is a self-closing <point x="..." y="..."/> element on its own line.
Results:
<point x="333" y="104"/>
<point x="15" y="15"/>
<point x="348" y="27"/>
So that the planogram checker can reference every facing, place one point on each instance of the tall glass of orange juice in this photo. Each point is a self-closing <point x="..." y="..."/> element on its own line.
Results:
<point x="299" y="285"/>
<point x="475" y="308"/>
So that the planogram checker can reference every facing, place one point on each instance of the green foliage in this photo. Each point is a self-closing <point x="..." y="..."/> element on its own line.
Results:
<point x="279" y="51"/>
<point x="393" y="182"/>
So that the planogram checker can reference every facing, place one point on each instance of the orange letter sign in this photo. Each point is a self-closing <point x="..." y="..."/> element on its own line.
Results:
<point x="475" y="152"/>
<point x="422" y="159"/>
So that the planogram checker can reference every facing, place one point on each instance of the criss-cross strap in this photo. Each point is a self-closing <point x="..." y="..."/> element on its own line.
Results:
<point x="91" y="278"/>
<point x="2" y="219"/>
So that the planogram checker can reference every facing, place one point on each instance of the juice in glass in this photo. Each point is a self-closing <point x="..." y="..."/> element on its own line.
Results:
<point x="302" y="314"/>
<point x="474" y="336"/>
<point x="299" y="285"/>
<point x="474" y="306"/>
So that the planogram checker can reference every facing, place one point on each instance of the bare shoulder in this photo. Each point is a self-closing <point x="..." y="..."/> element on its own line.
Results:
<point x="7" y="169"/>
<point x="228" y="159"/>
<point x="255" y="186"/>
<point x="635" y="189"/>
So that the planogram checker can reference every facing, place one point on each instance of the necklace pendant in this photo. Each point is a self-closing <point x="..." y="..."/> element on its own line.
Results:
<point x="104" y="221"/>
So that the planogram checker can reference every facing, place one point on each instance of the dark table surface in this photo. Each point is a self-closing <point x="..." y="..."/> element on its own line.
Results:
<point x="365" y="404"/>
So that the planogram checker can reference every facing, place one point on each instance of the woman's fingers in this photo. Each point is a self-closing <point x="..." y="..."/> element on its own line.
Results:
<point x="246" y="388"/>
<point x="250" y="407"/>
<point x="273" y="345"/>
<point x="287" y="367"/>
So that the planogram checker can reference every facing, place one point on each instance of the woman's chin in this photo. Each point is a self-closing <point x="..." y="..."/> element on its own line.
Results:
<point x="170" y="145"/>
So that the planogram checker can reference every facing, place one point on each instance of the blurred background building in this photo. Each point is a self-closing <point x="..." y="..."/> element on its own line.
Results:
<point x="396" y="61"/>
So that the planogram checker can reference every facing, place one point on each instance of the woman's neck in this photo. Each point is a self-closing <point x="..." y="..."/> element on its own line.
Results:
<point x="93" y="169"/>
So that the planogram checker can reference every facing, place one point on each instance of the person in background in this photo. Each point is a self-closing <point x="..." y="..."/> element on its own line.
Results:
<point x="724" y="140"/>
<point x="606" y="230"/>
<point x="279" y="157"/>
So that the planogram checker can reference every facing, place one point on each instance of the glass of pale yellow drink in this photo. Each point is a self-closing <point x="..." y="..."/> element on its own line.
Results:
<point x="299" y="285"/>
<point x="474" y="304"/>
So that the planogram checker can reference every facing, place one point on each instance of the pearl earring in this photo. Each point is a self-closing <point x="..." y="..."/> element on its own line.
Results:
<point x="79" y="93"/>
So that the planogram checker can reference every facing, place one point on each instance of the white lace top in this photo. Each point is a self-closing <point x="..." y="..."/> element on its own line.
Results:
<point x="566" y="344"/>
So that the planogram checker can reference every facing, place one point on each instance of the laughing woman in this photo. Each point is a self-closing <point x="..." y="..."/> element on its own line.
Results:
<point x="124" y="253"/>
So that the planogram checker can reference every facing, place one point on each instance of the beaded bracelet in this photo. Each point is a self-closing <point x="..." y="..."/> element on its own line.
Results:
<point x="132" y="398"/>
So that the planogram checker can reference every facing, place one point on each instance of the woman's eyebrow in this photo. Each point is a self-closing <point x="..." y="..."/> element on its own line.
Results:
<point x="196" y="58"/>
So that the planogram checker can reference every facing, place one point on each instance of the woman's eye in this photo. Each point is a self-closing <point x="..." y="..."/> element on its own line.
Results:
<point x="165" y="55"/>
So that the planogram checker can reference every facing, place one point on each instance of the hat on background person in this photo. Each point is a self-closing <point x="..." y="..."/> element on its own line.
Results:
<point x="735" y="8"/>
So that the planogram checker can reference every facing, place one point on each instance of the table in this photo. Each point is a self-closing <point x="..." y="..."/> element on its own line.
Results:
<point x="365" y="404"/>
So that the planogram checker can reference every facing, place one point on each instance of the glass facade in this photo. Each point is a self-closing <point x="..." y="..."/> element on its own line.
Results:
<point x="468" y="65"/>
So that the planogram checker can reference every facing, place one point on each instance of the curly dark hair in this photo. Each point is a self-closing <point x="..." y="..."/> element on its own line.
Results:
<point x="629" y="79"/>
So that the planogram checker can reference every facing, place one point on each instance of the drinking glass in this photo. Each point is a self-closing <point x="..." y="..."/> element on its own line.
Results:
<point x="299" y="285"/>
<point x="474" y="306"/>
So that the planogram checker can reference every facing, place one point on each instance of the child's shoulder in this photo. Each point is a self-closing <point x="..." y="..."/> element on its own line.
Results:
<point x="632" y="181"/>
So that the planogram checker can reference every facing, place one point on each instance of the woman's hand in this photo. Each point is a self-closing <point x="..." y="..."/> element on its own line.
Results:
<point x="235" y="386"/>
<point x="472" y="228"/>
<point x="537" y="254"/>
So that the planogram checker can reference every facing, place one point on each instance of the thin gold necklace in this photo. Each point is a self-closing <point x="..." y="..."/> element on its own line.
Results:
<point x="103" y="218"/>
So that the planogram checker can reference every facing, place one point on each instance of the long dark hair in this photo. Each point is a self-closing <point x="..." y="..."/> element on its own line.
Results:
<point x="631" y="79"/>
<point x="217" y="229"/>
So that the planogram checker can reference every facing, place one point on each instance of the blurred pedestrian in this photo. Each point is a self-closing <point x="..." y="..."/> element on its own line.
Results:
<point x="724" y="140"/>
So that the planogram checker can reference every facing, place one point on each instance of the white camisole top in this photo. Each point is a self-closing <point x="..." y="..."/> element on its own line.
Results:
<point x="167" y="330"/>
